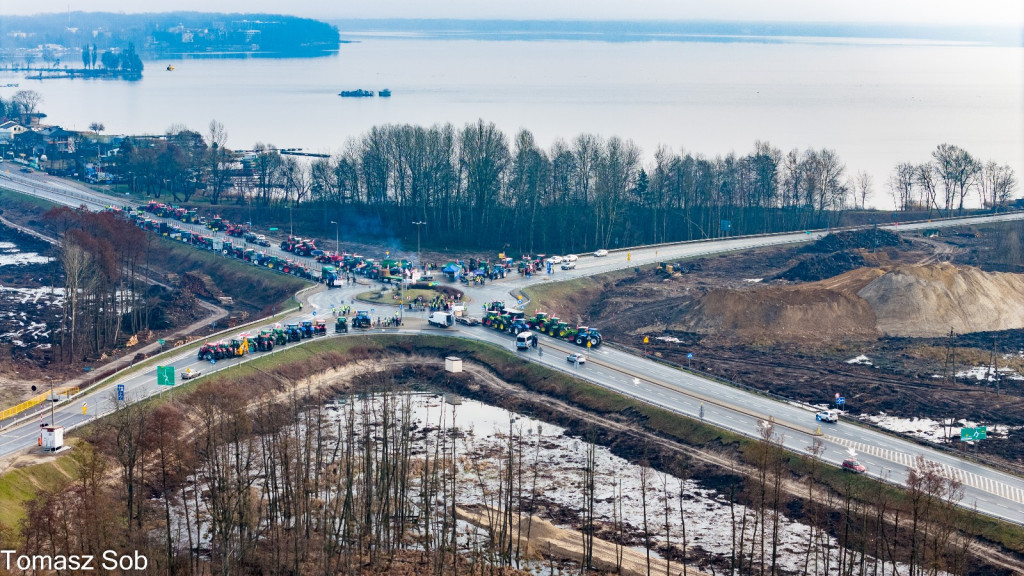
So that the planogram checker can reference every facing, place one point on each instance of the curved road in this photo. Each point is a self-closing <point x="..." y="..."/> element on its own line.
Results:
<point x="886" y="456"/>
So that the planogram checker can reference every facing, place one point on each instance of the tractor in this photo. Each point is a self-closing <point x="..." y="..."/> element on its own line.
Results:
<point x="280" y="336"/>
<point x="362" y="320"/>
<point x="320" y="327"/>
<point x="585" y="335"/>
<point x="307" y="328"/>
<point x="341" y="324"/>
<point x="294" y="332"/>
<point x="239" y="346"/>
<point x="264" y="341"/>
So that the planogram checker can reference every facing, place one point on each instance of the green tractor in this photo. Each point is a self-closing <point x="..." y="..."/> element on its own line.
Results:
<point x="280" y="336"/>
<point x="341" y="325"/>
<point x="535" y="322"/>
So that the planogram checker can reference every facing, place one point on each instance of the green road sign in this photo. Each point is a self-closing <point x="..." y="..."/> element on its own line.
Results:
<point x="165" y="375"/>
<point x="968" y="434"/>
<point x="273" y="229"/>
<point x="160" y="342"/>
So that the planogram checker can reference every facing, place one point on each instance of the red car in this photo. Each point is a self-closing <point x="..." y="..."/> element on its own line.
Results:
<point x="854" y="466"/>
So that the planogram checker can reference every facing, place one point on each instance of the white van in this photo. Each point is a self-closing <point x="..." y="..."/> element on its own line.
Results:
<point x="525" y="340"/>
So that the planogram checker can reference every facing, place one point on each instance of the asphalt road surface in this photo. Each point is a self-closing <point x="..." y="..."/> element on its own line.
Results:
<point x="885" y="455"/>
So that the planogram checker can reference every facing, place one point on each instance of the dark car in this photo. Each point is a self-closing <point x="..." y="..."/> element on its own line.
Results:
<point x="467" y="320"/>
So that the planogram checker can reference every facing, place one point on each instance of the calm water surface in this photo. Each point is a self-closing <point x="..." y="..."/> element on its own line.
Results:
<point x="876" y="104"/>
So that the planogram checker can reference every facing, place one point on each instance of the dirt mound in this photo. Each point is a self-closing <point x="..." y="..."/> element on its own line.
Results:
<point x="853" y="240"/>
<point x="926" y="301"/>
<point x="907" y="301"/>
<point x="816" y="311"/>
<point x="821" y="267"/>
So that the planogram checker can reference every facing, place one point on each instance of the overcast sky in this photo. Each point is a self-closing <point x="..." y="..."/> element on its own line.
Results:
<point x="986" y="12"/>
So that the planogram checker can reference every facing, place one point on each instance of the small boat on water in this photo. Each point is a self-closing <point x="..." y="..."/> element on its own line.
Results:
<point x="355" y="93"/>
<point x="385" y="93"/>
<point x="170" y="67"/>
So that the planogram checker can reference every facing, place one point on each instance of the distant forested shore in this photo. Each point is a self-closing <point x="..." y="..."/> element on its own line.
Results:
<point x="61" y="39"/>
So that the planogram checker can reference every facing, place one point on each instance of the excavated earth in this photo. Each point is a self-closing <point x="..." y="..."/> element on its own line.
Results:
<point x="788" y="320"/>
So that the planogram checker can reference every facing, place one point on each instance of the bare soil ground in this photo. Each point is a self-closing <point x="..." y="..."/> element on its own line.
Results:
<point x="786" y="320"/>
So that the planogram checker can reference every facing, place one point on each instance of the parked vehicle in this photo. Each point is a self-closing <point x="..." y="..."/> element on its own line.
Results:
<point x="189" y="374"/>
<point x="441" y="319"/>
<point x="526" y="340"/>
<point x="307" y="328"/>
<point x="852" y="465"/>
<point x="467" y="321"/>
<point x="576" y="358"/>
<point x="571" y="258"/>
<point x="569" y="266"/>
<point x="320" y="327"/>
<point x="828" y="416"/>
<point x="601" y="252"/>
<point x="341" y="324"/>
<point x="555" y="260"/>
<point x="362" y="320"/>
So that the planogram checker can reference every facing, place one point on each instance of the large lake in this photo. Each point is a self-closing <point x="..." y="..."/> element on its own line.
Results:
<point x="875" y="103"/>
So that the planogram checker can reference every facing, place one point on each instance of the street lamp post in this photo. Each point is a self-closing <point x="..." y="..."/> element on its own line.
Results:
<point x="418" y="228"/>
<point x="50" y="378"/>
<point x="335" y="236"/>
<point x="291" y="225"/>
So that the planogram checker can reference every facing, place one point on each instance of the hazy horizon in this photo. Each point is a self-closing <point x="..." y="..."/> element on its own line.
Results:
<point x="999" y="13"/>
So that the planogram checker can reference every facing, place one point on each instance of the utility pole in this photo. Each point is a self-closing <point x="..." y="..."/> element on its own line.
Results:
<point x="50" y="378"/>
<point x="418" y="225"/>
<point x="291" y="226"/>
<point x="335" y="236"/>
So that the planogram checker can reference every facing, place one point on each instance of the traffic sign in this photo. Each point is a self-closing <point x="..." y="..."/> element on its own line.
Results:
<point x="689" y="355"/>
<point x="120" y="392"/>
<point x="969" y="434"/>
<point x="165" y="375"/>
<point x="314" y="312"/>
<point x="841" y="400"/>
<point x="160" y="342"/>
<point x="273" y="229"/>
<point x="647" y="340"/>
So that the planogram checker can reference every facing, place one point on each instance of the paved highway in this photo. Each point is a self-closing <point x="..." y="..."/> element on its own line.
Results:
<point x="886" y="456"/>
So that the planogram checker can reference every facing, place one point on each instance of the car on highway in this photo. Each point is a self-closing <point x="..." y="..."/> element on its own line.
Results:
<point x="467" y="321"/>
<point x="576" y="358"/>
<point x="26" y="170"/>
<point x="555" y="260"/>
<point x="189" y="374"/>
<point x="569" y="266"/>
<point x="854" y="466"/>
<point x="828" y="416"/>
<point x="570" y="258"/>
<point x="261" y="240"/>
<point x="601" y="252"/>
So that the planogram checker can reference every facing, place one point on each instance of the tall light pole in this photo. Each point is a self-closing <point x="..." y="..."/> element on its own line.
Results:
<point x="335" y="236"/>
<point x="418" y="228"/>
<point x="291" y="225"/>
<point x="50" y="378"/>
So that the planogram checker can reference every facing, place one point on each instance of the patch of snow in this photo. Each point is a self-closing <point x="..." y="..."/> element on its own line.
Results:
<point x="862" y="359"/>
<point x="932" y="430"/>
<point x="11" y="256"/>
<point x="988" y="374"/>
<point x="668" y="339"/>
<point x="753" y="280"/>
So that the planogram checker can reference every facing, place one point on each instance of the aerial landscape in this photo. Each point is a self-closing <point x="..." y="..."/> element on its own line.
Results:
<point x="541" y="288"/>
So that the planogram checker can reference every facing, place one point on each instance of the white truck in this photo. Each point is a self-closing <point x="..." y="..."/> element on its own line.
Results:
<point x="441" y="319"/>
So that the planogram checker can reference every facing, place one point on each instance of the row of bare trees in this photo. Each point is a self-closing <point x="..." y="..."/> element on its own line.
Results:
<point x="224" y="483"/>
<point x="943" y="183"/>
<point x="103" y="260"/>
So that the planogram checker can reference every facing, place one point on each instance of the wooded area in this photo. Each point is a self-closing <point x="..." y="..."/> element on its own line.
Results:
<point x="478" y="189"/>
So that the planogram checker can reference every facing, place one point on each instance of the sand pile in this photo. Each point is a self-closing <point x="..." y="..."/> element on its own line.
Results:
<point x="927" y="301"/>
<point x="918" y="300"/>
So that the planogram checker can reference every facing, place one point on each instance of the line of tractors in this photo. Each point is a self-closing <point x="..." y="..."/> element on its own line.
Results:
<point x="514" y="321"/>
<point x="267" y="338"/>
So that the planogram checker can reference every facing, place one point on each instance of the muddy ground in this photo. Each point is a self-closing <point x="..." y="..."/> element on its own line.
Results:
<point x="902" y="380"/>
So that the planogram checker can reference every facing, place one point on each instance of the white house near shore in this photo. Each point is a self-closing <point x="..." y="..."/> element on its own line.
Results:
<point x="9" y="129"/>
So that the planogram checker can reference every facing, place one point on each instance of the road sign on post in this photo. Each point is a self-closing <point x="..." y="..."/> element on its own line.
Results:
<point x="165" y="375"/>
<point x="971" y="434"/>
<point x="120" y="392"/>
